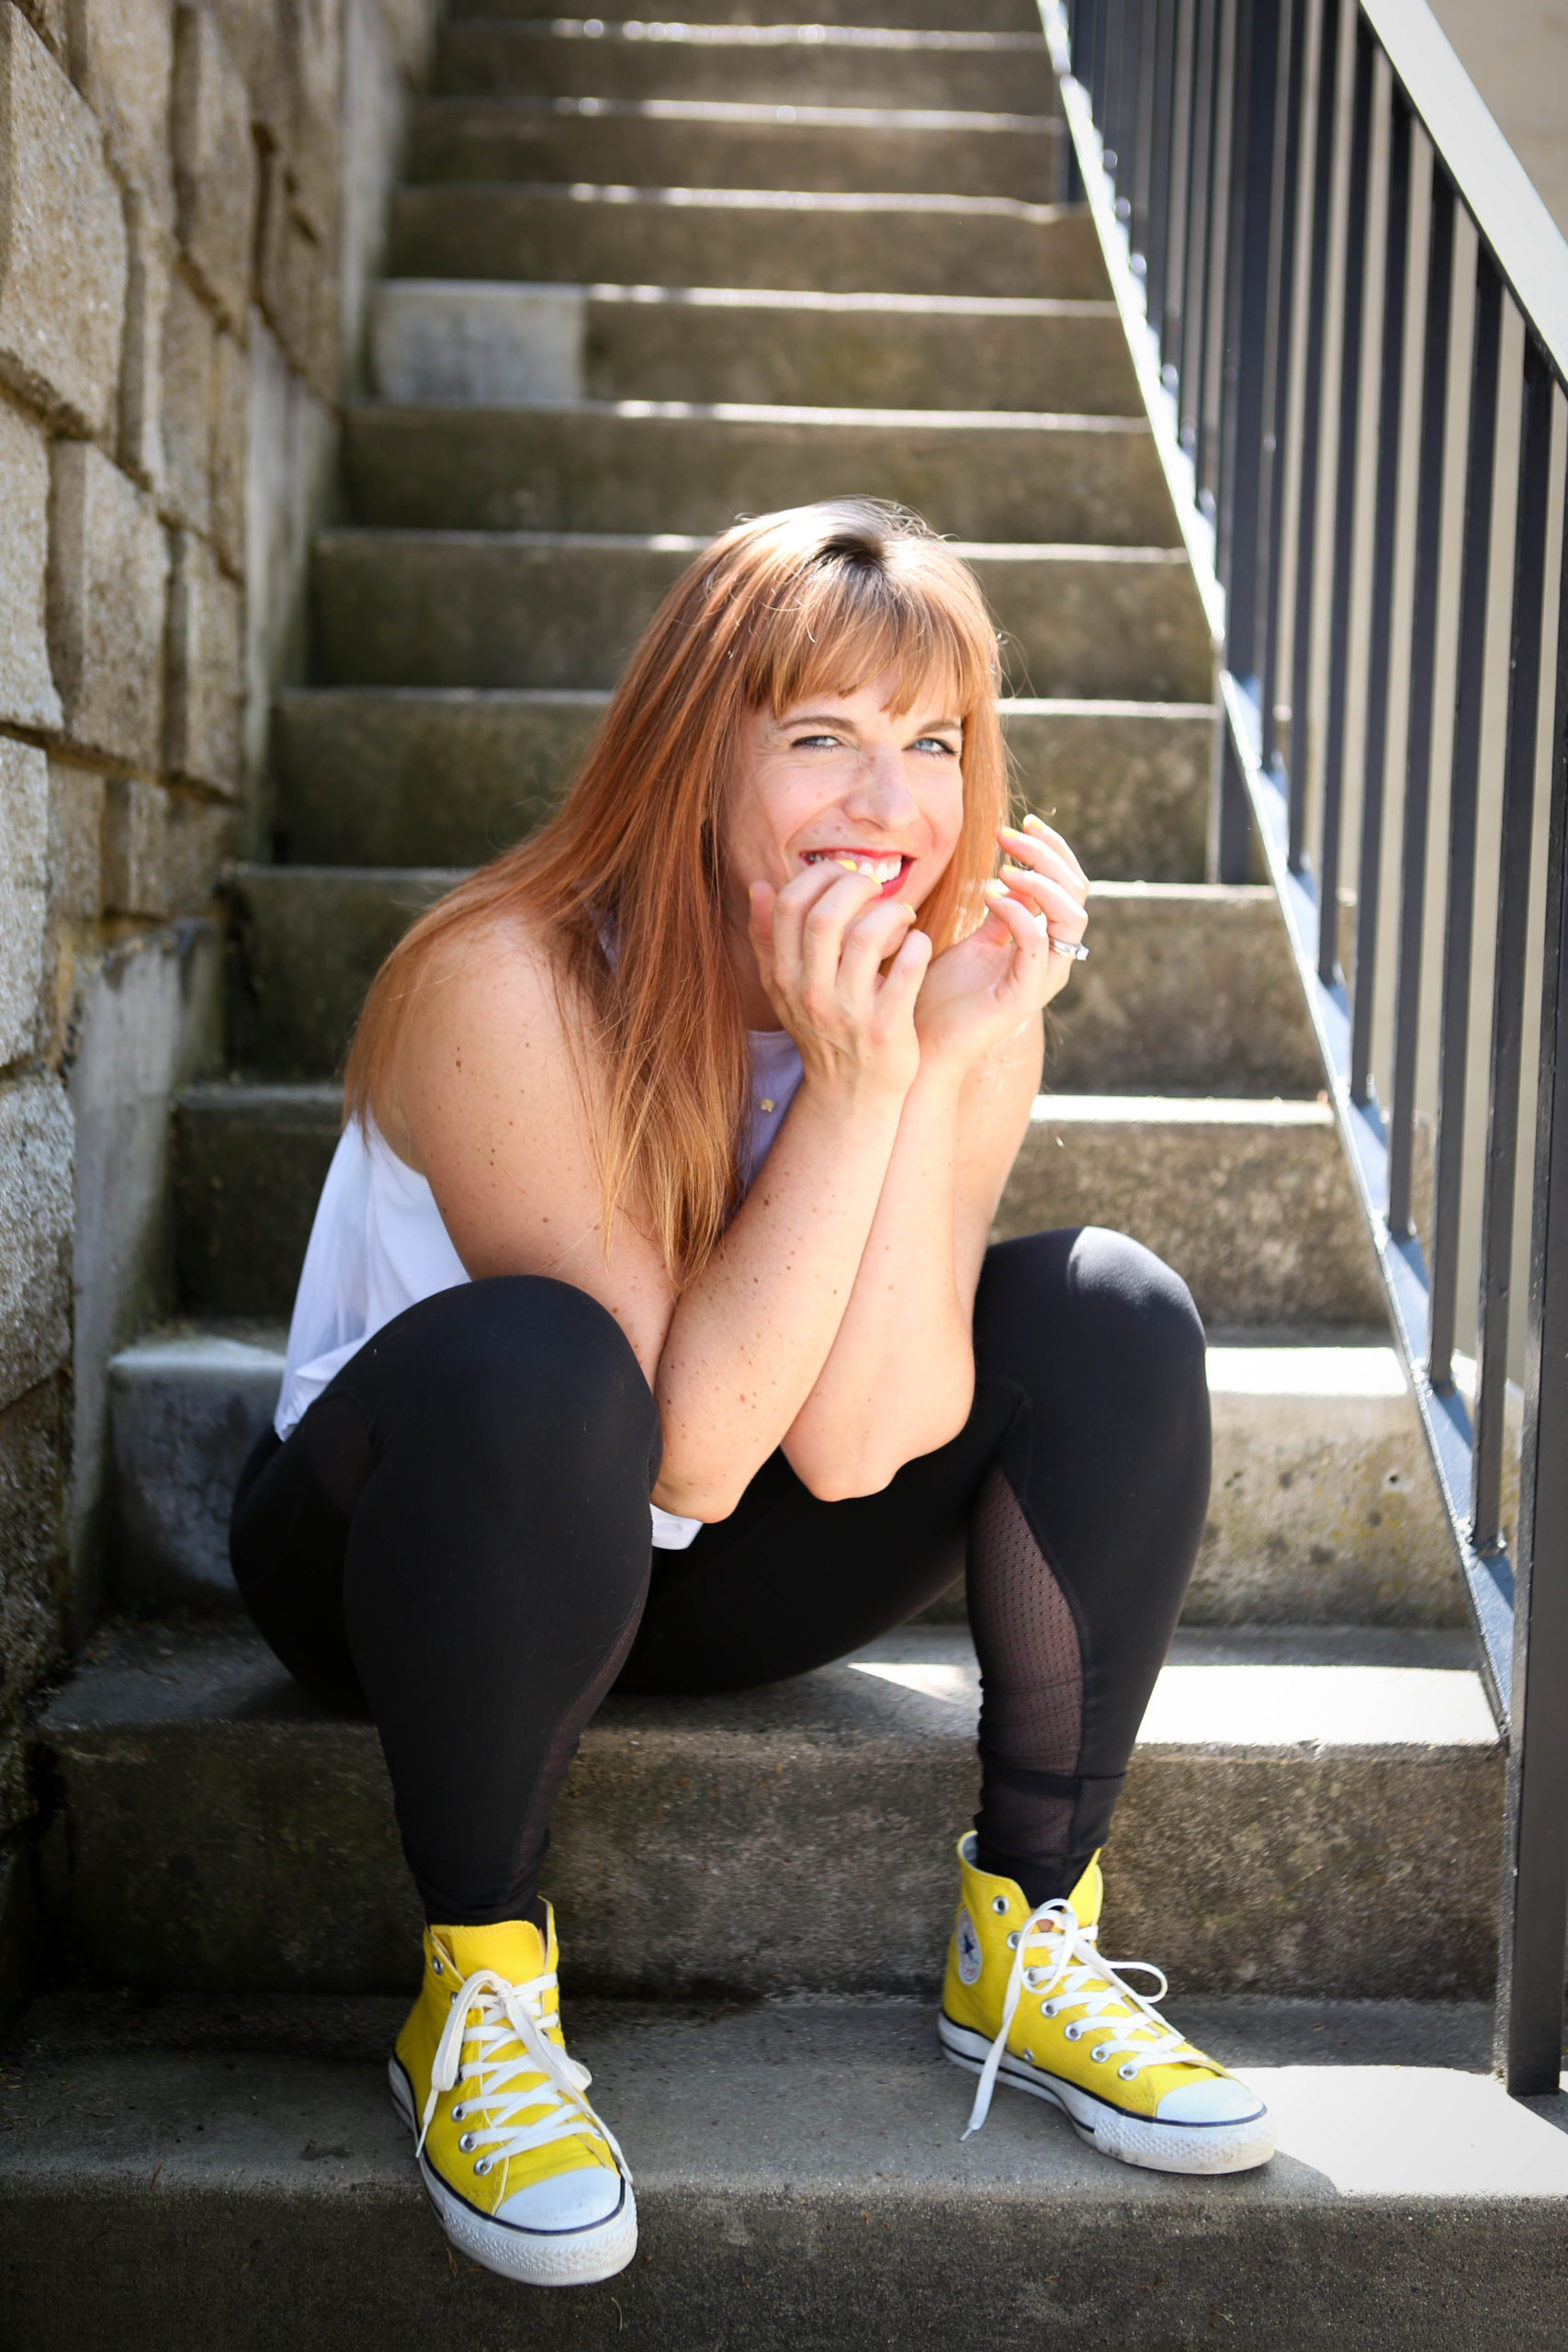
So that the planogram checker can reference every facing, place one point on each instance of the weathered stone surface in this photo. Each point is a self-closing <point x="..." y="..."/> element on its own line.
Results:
<point x="75" y="840"/>
<point x="34" y="1458"/>
<point x="149" y="269"/>
<point x="190" y="337"/>
<point x="704" y="237"/>
<point x="301" y="958"/>
<point x="184" y="1413"/>
<point x="402" y="777"/>
<point x="134" y="868"/>
<point x="147" y="1018"/>
<point x="497" y="345"/>
<point x="47" y="19"/>
<point x="1127" y="782"/>
<point x="1293" y="1817"/>
<point x="673" y="144"/>
<point x="295" y="279"/>
<point x="122" y="58"/>
<point x="971" y="475"/>
<point x="27" y="693"/>
<point x="292" y="451"/>
<point x="24" y="858"/>
<point x="241" y="1233"/>
<point x="1250" y="1202"/>
<point x="543" y="609"/>
<point x="214" y="163"/>
<point x="36" y="1146"/>
<point x="231" y="450"/>
<point x="19" y="1930"/>
<point x="829" y="65"/>
<point x="61" y="225"/>
<point x="107" y="576"/>
<point x="206" y="678"/>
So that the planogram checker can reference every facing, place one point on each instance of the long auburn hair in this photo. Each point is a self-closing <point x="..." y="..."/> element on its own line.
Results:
<point x="817" y="599"/>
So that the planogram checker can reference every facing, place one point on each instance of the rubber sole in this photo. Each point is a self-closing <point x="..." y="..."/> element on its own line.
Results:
<point x="532" y="2257"/>
<point x="1238" y="2146"/>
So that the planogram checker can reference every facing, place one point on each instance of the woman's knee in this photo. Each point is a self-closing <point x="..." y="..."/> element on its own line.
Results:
<point x="515" y="1365"/>
<point x="1086" y="1289"/>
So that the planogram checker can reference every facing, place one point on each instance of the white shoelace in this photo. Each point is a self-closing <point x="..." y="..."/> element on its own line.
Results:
<point x="1079" y="1978"/>
<point x="510" y="2013"/>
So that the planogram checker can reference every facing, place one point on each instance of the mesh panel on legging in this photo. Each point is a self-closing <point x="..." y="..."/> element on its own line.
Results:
<point x="1032" y="1711"/>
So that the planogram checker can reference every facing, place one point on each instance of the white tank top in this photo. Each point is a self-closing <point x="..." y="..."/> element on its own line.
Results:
<point x="378" y="1245"/>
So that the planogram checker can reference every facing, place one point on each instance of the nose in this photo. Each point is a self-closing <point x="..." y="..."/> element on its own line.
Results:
<point x="880" y="792"/>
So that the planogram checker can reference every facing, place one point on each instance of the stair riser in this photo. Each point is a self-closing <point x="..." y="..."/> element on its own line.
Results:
<point x="741" y="2262"/>
<point x="565" y="469"/>
<point x="480" y="60"/>
<point x="1322" y="1509"/>
<point x="1190" y="992"/>
<point x="411" y="779"/>
<point x="427" y="610"/>
<point x="504" y="232"/>
<point x="458" y="139"/>
<point x="1259" y="1219"/>
<point x="912" y="16"/>
<point x="510" y="344"/>
<point x="686" y="1862"/>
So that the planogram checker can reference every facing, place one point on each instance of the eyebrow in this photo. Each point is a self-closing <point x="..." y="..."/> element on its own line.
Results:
<point x="838" y="718"/>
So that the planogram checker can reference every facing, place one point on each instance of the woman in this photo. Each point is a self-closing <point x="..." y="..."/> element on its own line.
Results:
<point x="674" y="1138"/>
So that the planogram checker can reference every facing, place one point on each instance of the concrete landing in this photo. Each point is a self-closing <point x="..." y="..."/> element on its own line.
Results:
<point x="801" y="2181"/>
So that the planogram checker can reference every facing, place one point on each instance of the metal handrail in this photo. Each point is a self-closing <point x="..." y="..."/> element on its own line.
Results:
<point x="1228" y="172"/>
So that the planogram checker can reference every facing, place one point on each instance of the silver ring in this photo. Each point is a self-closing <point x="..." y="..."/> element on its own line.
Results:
<point x="1074" y="950"/>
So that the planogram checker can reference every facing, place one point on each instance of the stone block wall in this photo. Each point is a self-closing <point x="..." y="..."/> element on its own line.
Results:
<point x="191" y="196"/>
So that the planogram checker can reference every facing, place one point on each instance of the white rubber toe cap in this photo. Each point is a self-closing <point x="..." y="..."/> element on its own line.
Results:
<point x="565" y="2200"/>
<point x="1217" y="2099"/>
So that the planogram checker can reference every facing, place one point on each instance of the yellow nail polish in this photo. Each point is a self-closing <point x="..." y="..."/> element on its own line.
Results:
<point x="1035" y="824"/>
<point x="995" y="890"/>
<point x="848" y="864"/>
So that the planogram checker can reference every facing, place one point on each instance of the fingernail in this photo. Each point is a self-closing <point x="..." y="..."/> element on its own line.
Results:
<point x="1010" y="833"/>
<point x="1033" y="824"/>
<point x="848" y="864"/>
<point x="995" y="890"/>
<point x="904" y="909"/>
<point x="1041" y="926"/>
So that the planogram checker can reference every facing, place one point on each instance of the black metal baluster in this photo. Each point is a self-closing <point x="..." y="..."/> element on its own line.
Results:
<point x="1312" y="395"/>
<point x="1418" y="736"/>
<point x="1535" y="1847"/>
<point x="1246" y="302"/>
<point x="1194" y="275"/>
<point x="1174" y="306"/>
<point x="1164" y="102"/>
<point x="1277" y="348"/>
<point x="1458" y="930"/>
<point x="1208" y="456"/>
<point x="1107" y="66"/>
<point x="1508" y="968"/>
<point x="1149" y="15"/>
<point x="1345" y="511"/>
<point x="1374" y="757"/>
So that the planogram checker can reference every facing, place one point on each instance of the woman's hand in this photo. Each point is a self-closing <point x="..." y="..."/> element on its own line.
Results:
<point x="821" y="943"/>
<point x="978" y="992"/>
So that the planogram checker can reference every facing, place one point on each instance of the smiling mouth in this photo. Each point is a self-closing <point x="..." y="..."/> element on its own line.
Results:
<point x="888" y="870"/>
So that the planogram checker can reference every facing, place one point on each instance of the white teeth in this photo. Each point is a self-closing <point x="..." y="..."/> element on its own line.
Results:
<point x="881" y="870"/>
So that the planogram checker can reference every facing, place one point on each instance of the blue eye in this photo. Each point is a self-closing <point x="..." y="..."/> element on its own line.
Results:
<point x="935" y="743"/>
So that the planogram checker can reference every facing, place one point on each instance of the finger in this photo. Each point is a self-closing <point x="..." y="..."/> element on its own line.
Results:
<point x="900" y="984"/>
<point x="823" y="928"/>
<point x="869" y="940"/>
<point x="1044" y="857"/>
<point x="791" y="906"/>
<point x="1031" y="938"/>
<point x="1041" y="832"/>
<point x="1065" y="915"/>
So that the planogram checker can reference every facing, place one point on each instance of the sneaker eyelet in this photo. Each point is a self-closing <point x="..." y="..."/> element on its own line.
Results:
<point x="458" y="2113"/>
<point x="1126" y="2073"/>
<point x="1099" y="2055"/>
<point x="467" y="2144"/>
<point x="436" y="1965"/>
<point x="482" y="2164"/>
<point x="1013" y="1940"/>
<point x="1000" y="1906"/>
<point x="1047" y="2008"/>
<point x="1029" y="2057"/>
<point x="1072" y="2033"/>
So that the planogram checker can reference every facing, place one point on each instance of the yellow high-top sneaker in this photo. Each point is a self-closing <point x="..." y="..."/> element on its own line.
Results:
<point x="1028" y="2000"/>
<point x="524" y="2175"/>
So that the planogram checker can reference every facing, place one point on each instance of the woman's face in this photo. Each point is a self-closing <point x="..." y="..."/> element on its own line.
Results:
<point x="839" y="776"/>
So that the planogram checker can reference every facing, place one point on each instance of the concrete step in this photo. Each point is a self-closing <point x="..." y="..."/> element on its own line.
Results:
<point x="1323" y="1512"/>
<point x="497" y="345"/>
<point x="831" y="66"/>
<point x="725" y="237"/>
<point x="800" y="2185"/>
<point x="1250" y="1202"/>
<point x="538" y="608"/>
<point x="707" y="143"/>
<point x="655" y="467"/>
<point x="1189" y="990"/>
<point x="915" y="16"/>
<point x="408" y="775"/>
<point x="1302" y="1809"/>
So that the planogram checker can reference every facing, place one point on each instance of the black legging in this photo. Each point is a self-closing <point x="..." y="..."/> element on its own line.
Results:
<point x="456" y="1539"/>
